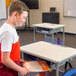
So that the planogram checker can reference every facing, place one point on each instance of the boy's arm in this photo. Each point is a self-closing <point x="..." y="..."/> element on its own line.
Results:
<point x="12" y="65"/>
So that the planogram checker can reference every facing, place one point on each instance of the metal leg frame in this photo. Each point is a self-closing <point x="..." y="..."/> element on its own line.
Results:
<point x="57" y="70"/>
<point x="34" y="34"/>
<point x="63" y="36"/>
<point x="52" y="37"/>
<point x="23" y="55"/>
<point x="50" y="34"/>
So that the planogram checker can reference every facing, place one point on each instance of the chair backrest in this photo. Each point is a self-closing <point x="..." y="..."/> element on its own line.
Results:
<point x="71" y="72"/>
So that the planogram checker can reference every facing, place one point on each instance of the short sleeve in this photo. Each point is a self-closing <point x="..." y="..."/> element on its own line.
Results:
<point x="6" y="42"/>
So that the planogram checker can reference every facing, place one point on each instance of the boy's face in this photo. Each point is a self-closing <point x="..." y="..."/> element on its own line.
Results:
<point x="20" y="19"/>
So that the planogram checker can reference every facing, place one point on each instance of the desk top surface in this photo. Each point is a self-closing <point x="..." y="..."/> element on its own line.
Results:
<point x="49" y="25"/>
<point x="48" y="51"/>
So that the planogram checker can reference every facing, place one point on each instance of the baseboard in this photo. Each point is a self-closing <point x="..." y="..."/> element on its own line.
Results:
<point x="24" y="29"/>
<point x="68" y="33"/>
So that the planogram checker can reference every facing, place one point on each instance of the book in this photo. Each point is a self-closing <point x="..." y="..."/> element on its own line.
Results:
<point x="36" y="66"/>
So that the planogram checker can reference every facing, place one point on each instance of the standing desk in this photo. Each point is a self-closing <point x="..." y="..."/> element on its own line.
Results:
<point x="51" y="52"/>
<point x="52" y="28"/>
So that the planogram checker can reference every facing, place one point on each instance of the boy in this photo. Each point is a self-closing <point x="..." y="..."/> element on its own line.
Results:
<point x="9" y="41"/>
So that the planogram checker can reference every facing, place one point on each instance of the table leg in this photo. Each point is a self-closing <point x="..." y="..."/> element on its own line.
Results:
<point x="22" y="55"/>
<point x="52" y="37"/>
<point x="63" y="36"/>
<point x="45" y="36"/>
<point x="34" y="34"/>
<point x="57" y="70"/>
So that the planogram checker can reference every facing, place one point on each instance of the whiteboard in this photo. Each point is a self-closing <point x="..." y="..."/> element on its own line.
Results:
<point x="69" y="8"/>
<point x="3" y="9"/>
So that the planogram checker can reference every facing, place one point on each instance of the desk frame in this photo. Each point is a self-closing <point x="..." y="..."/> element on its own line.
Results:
<point x="58" y="61"/>
<point x="57" y="65"/>
<point x="51" y="33"/>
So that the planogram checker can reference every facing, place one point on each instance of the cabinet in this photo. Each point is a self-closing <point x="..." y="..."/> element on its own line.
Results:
<point x="50" y="17"/>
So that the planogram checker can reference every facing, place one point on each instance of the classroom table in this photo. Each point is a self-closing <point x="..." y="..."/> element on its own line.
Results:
<point x="52" y="29"/>
<point x="51" y="52"/>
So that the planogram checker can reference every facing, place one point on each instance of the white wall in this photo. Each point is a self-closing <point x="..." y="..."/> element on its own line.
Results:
<point x="3" y="9"/>
<point x="1" y="22"/>
<point x="3" y="13"/>
<point x="44" y="6"/>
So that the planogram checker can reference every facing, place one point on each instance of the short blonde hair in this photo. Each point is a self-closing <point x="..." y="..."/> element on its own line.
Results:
<point x="18" y="6"/>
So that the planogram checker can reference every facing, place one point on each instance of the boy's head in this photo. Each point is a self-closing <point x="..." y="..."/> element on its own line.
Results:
<point x="18" y="12"/>
<point x="18" y="6"/>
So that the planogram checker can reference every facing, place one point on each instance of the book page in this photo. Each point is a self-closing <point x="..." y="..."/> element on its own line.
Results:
<point x="36" y="66"/>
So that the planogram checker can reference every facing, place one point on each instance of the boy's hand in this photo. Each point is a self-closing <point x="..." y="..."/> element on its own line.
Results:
<point x="23" y="71"/>
<point x="21" y="61"/>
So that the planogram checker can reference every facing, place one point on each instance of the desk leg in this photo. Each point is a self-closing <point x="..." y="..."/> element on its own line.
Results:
<point x="52" y="37"/>
<point x="34" y="34"/>
<point x="57" y="70"/>
<point x="63" y="36"/>
<point x="23" y="55"/>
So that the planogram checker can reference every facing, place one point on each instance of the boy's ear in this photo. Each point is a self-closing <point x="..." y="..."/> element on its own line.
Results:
<point x="15" y="14"/>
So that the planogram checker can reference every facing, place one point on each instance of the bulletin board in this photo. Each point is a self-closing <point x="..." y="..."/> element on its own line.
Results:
<point x="3" y="12"/>
<point x="69" y="8"/>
